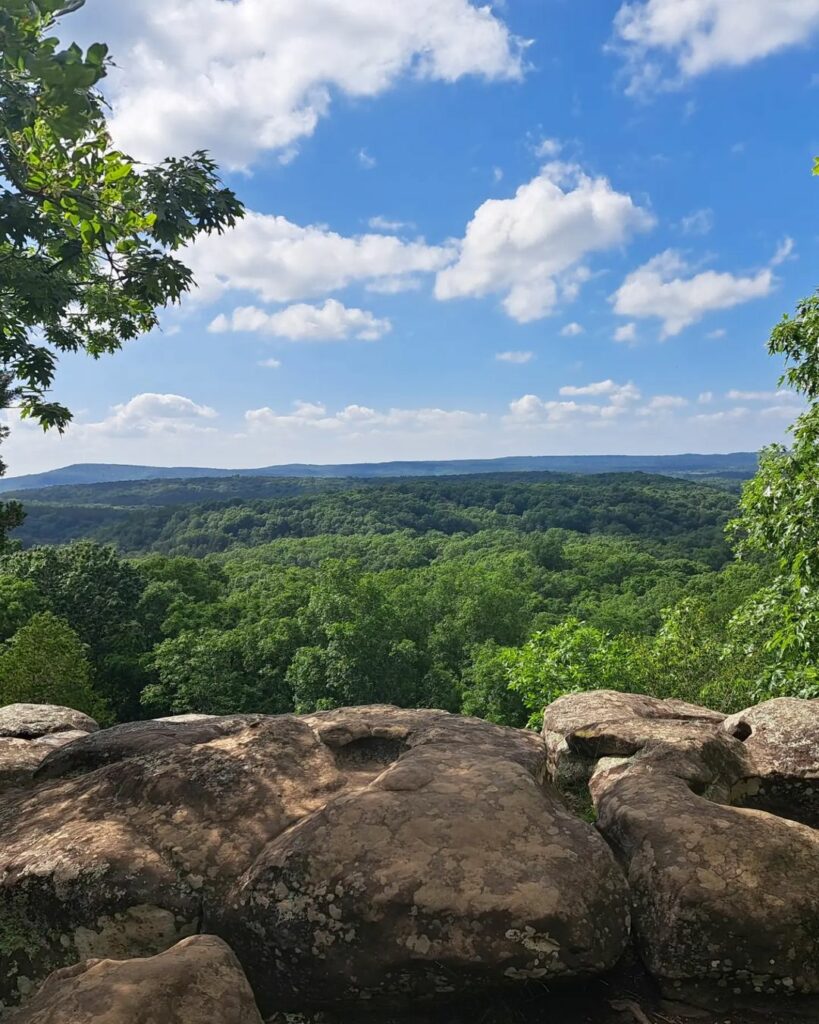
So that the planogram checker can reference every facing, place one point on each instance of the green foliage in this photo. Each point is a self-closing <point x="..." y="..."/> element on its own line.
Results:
<point x="45" y="663"/>
<point x="19" y="600"/>
<point x="779" y="518"/>
<point x="87" y="237"/>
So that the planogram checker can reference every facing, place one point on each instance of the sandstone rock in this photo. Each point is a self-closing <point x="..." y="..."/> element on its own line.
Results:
<point x="29" y="721"/>
<point x="724" y="900"/>
<point x="136" y="739"/>
<point x="373" y="852"/>
<point x="581" y="728"/>
<point x="198" y="981"/>
<point x="451" y="869"/>
<point x="781" y="737"/>
<point x="19" y="759"/>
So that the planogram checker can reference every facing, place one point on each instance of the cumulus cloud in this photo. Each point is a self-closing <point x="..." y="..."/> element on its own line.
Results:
<point x="666" y="288"/>
<point x="360" y="419"/>
<point x="763" y="396"/>
<point x="279" y="261"/>
<point x="618" y="393"/>
<point x="670" y="40"/>
<point x="531" y="248"/>
<point x="380" y="223"/>
<point x="302" y="322"/>
<point x="626" y="334"/>
<point x="664" y="403"/>
<point x="250" y="76"/>
<point x="572" y="330"/>
<point x="515" y="357"/>
<point x="151" y="413"/>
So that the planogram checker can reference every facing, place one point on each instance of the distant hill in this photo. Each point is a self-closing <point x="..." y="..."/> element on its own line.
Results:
<point x="740" y="465"/>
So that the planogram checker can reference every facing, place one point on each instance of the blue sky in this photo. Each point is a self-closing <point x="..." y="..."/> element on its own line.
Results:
<point x="552" y="226"/>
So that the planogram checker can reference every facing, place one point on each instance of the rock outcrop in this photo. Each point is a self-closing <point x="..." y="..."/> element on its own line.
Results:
<point x="369" y="853"/>
<point x="30" y="732"/>
<point x="198" y="981"/>
<point x="381" y="857"/>
<point x="781" y="737"/>
<point x="725" y="900"/>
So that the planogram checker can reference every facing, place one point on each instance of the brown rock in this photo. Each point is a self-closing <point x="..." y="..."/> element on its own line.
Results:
<point x="198" y="981"/>
<point x="19" y="759"/>
<point x="372" y="852"/>
<point x="29" y="721"/>
<point x="724" y="900"/>
<point x="781" y="737"/>
<point x="581" y="728"/>
<point x="451" y="869"/>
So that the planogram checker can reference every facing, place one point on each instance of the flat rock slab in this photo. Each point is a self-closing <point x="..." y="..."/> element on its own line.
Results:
<point x="370" y="853"/>
<point x="781" y="737"/>
<point x="198" y="981"/>
<point x="29" y="721"/>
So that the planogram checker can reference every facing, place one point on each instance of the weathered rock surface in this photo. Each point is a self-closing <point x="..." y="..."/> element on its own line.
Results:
<point x="198" y="981"/>
<point x="580" y="729"/>
<point x="30" y="721"/>
<point x="19" y="759"/>
<point x="363" y="853"/>
<point x="725" y="900"/>
<point x="451" y="868"/>
<point x="137" y="739"/>
<point x="781" y="737"/>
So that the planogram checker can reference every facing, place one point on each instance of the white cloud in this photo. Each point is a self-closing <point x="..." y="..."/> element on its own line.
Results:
<point x="720" y="332"/>
<point x="784" y="252"/>
<point x="360" y="419"/>
<point x="572" y="330"/>
<point x="626" y="334"/>
<point x="385" y="224"/>
<point x="151" y="413"/>
<point x="706" y="397"/>
<point x="270" y="364"/>
<point x="660" y="288"/>
<point x="250" y="76"/>
<point x="515" y="357"/>
<point x="664" y="403"/>
<point x="700" y="222"/>
<point x="548" y="149"/>
<point x="726" y="416"/>
<point x="696" y="36"/>
<point x="617" y="393"/>
<point x="763" y="396"/>
<point x="532" y="247"/>
<point x="302" y="322"/>
<point x="497" y="174"/>
<point x="279" y="261"/>
<point x="367" y="162"/>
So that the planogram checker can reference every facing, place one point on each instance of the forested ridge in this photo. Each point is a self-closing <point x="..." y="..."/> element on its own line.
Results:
<point x="485" y="594"/>
<point x="175" y="517"/>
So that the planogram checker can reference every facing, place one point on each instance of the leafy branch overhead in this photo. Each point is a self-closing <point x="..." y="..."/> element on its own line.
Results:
<point x="88" y="237"/>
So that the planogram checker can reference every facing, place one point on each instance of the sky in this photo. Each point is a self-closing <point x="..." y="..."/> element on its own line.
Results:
<point x="535" y="227"/>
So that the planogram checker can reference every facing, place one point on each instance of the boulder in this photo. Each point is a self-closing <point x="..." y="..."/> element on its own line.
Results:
<point x="581" y="728"/>
<point x="198" y="981"/>
<point x="725" y="901"/>
<point x="30" y="721"/>
<point x="452" y="868"/>
<point x="371" y="853"/>
<point x="781" y="737"/>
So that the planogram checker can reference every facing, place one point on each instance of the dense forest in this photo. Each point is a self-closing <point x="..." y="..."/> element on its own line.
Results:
<point x="485" y="594"/>
<point x="199" y="517"/>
